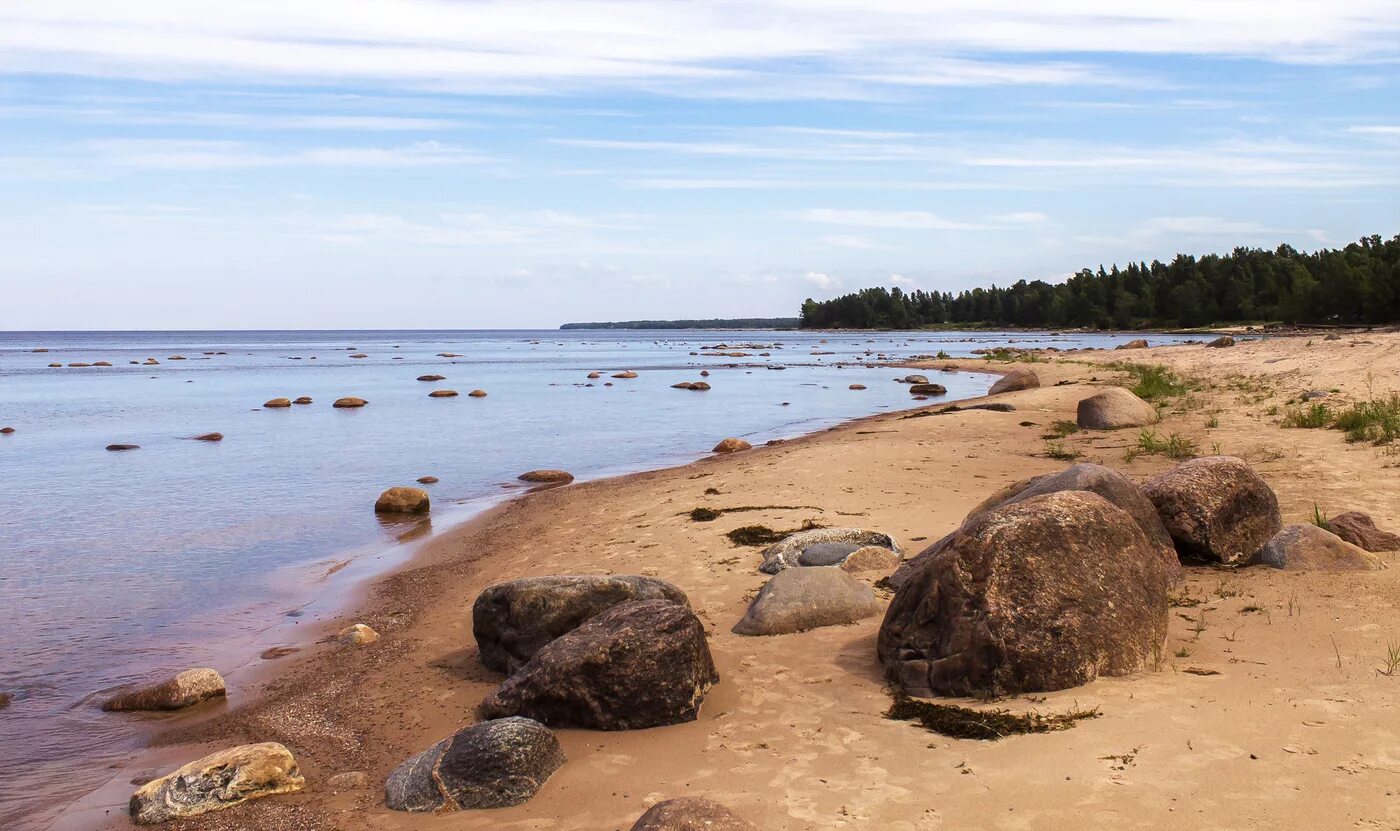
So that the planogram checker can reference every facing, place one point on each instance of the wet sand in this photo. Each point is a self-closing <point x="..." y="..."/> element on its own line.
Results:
<point x="1268" y="709"/>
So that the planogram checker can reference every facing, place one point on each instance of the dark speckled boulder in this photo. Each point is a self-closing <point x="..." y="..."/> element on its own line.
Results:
<point x="691" y="813"/>
<point x="1043" y="594"/>
<point x="513" y="620"/>
<point x="1216" y="508"/>
<point x="493" y="764"/>
<point x="640" y="664"/>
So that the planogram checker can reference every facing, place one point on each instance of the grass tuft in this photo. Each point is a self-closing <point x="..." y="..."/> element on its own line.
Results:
<point x="1062" y="428"/>
<point x="1174" y="446"/>
<point x="1376" y="421"/>
<point x="1153" y="382"/>
<point x="1058" y="451"/>
<point x="1312" y="417"/>
<point x="986" y="725"/>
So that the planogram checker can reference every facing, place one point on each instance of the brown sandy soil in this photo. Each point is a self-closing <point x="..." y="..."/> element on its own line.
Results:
<point x="1267" y="711"/>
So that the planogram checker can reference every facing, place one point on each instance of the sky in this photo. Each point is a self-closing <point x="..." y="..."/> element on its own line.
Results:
<point x="176" y="164"/>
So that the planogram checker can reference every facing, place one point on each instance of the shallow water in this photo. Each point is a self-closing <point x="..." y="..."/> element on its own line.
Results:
<point x="115" y="566"/>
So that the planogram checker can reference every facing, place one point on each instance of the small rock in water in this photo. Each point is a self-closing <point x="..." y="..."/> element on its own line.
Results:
<point x="926" y="389"/>
<point x="427" y="480"/>
<point x="209" y="437"/>
<point x="305" y="399"/>
<point x="277" y="403"/>
<point x="275" y="652"/>
<point x="5" y="699"/>
<point x="55" y="366"/>
<point x="177" y="692"/>
<point x="493" y="764"/>
<point x="625" y="374"/>
<point x="443" y="394"/>
<point x="477" y="394"/>
<point x="402" y="501"/>
<point x="7" y="430"/>
<point x="732" y="445"/>
<point x="349" y="402"/>
<point x="357" y="635"/>
<point x="915" y="379"/>
<point x="359" y="355"/>
<point x="595" y="375"/>
<point x="219" y="780"/>
<point x="116" y="447"/>
<point x="691" y="813"/>
<point x="856" y="386"/>
<point x="551" y="477"/>
<point x="101" y="363"/>
<point x="432" y="378"/>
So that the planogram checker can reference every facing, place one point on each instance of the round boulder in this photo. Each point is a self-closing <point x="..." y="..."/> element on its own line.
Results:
<point x="1361" y="531"/>
<point x="1215" y="508"/>
<point x="477" y="394"/>
<point x="219" y="780"/>
<point x="798" y="599"/>
<point x="402" y="501"/>
<point x="1016" y="379"/>
<point x="787" y="552"/>
<point x="1114" y="408"/>
<point x="640" y="664"/>
<point x="512" y="621"/>
<point x="732" y="445"/>
<point x="177" y="692"/>
<point x="1044" y="594"/>
<point x="493" y="764"/>
<point x="870" y="559"/>
<point x="1310" y="548"/>
<point x="691" y="813"/>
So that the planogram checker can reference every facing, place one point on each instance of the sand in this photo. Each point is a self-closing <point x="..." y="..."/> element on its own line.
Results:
<point x="1267" y="710"/>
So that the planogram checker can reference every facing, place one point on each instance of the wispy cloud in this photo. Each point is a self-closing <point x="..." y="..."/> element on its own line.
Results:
<point x="855" y="241"/>
<point x="902" y="220"/>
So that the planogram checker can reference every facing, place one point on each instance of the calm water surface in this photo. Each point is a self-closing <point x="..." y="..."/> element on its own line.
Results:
<point x="116" y="566"/>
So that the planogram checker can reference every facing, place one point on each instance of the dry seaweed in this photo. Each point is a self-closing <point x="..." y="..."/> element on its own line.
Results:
<point x="712" y="514"/>
<point x="986" y="725"/>
<point x="763" y="535"/>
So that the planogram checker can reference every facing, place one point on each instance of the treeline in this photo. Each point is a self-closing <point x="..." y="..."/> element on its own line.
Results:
<point x="1356" y="284"/>
<point x="715" y="323"/>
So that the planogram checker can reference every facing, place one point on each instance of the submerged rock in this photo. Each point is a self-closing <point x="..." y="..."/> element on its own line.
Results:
<point x="277" y="403"/>
<point x="402" y="500"/>
<point x="927" y="389"/>
<point x="798" y="599"/>
<point x="625" y="374"/>
<point x="1215" y="508"/>
<point x="349" y="402"/>
<point x="1016" y="379"/>
<point x="209" y="437"/>
<point x="1114" y="408"/>
<point x="432" y="378"/>
<point x="787" y="552"/>
<point x="443" y="394"/>
<point x="305" y="399"/>
<point x="640" y="664"/>
<point x="493" y="764"/>
<point x="1310" y="548"/>
<point x="1039" y="595"/>
<point x="547" y="476"/>
<point x="1361" y="531"/>
<point x="118" y="447"/>
<point x="512" y="621"/>
<point x="182" y="690"/>
<point x="219" y="780"/>
<point x="691" y="813"/>
<point x="731" y="445"/>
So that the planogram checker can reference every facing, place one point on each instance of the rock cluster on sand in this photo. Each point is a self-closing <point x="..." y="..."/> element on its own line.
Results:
<point x="732" y="445"/>
<point x="184" y="689"/>
<point x="512" y="621"/>
<point x="1310" y="548"/>
<point x="691" y="813"/>
<point x="1222" y="341"/>
<point x="1016" y="379"/>
<point x="1042" y="594"/>
<point x="357" y="634"/>
<point x="277" y="403"/>
<point x="1114" y="408"/>
<point x="1361" y="531"/>
<point x="925" y="388"/>
<point x="547" y="477"/>
<point x="644" y="663"/>
<point x="493" y="764"/>
<point x="402" y="500"/>
<point x="798" y="599"/>
<point x="349" y="402"/>
<point x="219" y="780"/>
<point x="788" y="552"/>
<point x="1215" y="508"/>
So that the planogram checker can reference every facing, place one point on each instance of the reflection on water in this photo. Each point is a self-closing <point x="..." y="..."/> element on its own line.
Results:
<point x="118" y="566"/>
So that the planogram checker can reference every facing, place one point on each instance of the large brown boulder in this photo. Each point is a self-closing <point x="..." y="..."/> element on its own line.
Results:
<point x="1043" y="594"/>
<point x="1139" y="343"/>
<point x="492" y="764"/>
<point x="402" y="501"/>
<point x="799" y="599"/>
<point x="1114" y="408"/>
<point x="1310" y="548"/>
<point x="640" y="664"/>
<point x="184" y="689"/>
<point x="1361" y="531"/>
<point x="1215" y="508"/>
<point x="219" y="780"/>
<point x="514" y="620"/>
<point x="731" y="445"/>
<point x="1016" y="379"/>
<point x="1221" y="342"/>
<point x="691" y="813"/>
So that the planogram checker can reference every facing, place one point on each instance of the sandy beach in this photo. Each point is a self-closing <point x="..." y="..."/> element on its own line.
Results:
<point x="1267" y="709"/>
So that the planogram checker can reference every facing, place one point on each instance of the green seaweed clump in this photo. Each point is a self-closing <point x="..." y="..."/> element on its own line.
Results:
<point x="985" y="725"/>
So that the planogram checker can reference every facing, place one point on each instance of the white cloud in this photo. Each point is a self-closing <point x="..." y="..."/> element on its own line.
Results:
<point x="903" y="220"/>
<point x="825" y="282"/>
<point x="902" y="281"/>
<point x="855" y="241"/>
<point x="1203" y="226"/>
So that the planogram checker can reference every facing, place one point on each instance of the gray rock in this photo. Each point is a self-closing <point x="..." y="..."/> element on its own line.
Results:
<point x="915" y="379"/>
<point x="182" y="690"/>
<point x="1310" y="548"/>
<point x="799" y="599"/>
<point x="493" y="764"/>
<point x="787" y="553"/>
<point x="826" y="553"/>
<point x="1114" y="408"/>
<point x="514" y="620"/>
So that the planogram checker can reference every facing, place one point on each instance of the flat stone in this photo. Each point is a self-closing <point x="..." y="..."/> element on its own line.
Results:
<point x="118" y="447"/>
<point x="548" y="477"/>
<point x="277" y="403"/>
<point x="217" y="781"/>
<point x="349" y="402"/>
<point x="176" y="692"/>
<point x="826" y="553"/>
<point x="798" y="599"/>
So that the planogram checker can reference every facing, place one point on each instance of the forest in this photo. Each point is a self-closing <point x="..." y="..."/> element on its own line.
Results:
<point x="1357" y="284"/>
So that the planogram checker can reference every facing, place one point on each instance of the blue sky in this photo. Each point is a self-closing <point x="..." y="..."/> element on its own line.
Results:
<point x="366" y="163"/>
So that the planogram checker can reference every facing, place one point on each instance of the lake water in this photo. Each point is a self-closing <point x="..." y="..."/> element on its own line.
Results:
<point x="117" y="566"/>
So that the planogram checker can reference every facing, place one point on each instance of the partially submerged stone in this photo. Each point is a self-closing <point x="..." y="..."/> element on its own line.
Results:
<point x="349" y="402"/>
<point x="512" y="621"/>
<point x="402" y="500"/>
<point x="1222" y="341"/>
<point x="184" y="689"/>
<point x="1138" y="343"/>
<point x="1043" y="594"/>
<point x="493" y="764"/>
<point x="640" y="664"/>
<point x="1216" y="508"/>
<point x="443" y="394"/>
<point x="691" y="813"/>
<point x="209" y="437"/>
<point x="1016" y="379"/>
<point x="732" y="445"/>
<point x="477" y="394"/>
<point x="787" y="552"/>
<point x="277" y="403"/>
<point x="432" y="378"/>
<point x="1310" y="548"/>
<point x="116" y="448"/>
<point x="798" y="599"/>
<point x="926" y="388"/>
<point x="915" y="379"/>
<point x="1361" y="531"/>
<point x="219" y="780"/>
<point x="1114" y="408"/>
<point x="548" y="477"/>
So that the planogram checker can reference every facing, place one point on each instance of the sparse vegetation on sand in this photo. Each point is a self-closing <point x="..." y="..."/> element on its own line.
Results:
<point x="1310" y="417"/>
<point x="1174" y="446"/>
<point x="1059" y="452"/>
<point x="1153" y="382"/>
<point x="986" y="725"/>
